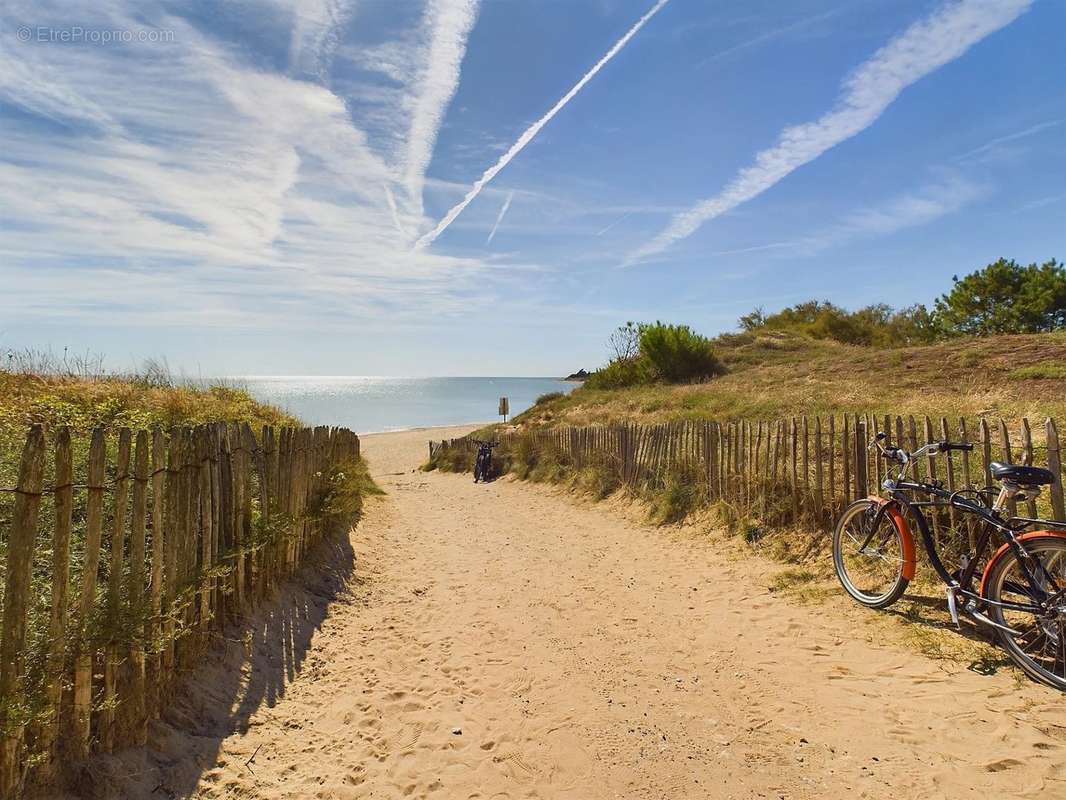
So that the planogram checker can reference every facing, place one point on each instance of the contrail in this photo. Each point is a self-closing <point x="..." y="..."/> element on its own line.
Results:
<point x="503" y="210"/>
<point x="624" y="216"/>
<point x="533" y="130"/>
<point x="391" y="200"/>
<point x="924" y="47"/>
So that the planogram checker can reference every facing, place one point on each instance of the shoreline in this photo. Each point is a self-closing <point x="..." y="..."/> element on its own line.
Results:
<point x="417" y="428"/>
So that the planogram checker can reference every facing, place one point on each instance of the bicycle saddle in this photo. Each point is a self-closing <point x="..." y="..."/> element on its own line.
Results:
<point x="1023" y="476"/>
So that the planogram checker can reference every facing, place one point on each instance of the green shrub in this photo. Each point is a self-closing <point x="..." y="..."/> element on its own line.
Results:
<point x="620" y="374"/>
<point x="548" y="397"/>
<point x="677" y="354"/>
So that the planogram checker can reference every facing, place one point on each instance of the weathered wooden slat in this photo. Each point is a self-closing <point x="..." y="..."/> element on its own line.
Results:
<point x="57" y="624"/>
<point x="154" y="626"/>
<point x="1054" y="461"/>
<point x="136" y="718"/>
<point x="1008" y="457"/>
<point x="819" y="498"/>
<point x="20" y="545"/>
<point x="115" y="601"/>
<point x="1027" y="459"/>
<point x="83" y="672"/>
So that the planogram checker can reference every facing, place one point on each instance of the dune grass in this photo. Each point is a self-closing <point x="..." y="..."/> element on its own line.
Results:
<point x="779" y="375"/>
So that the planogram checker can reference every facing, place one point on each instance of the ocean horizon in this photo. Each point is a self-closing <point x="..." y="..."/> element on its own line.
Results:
<point x="379" y="404"/>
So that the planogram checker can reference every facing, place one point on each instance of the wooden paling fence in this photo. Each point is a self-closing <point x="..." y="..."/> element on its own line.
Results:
<point x="123" y="554"/>
<point x="796" y="470"/>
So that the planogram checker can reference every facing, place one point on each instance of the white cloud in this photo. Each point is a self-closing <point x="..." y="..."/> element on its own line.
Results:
<point x="449" y="23"/>
<point x="938" y="198"/>
<point x="922" y="48"/>
<point x="188" y="183"/>
<point x="315" y="33"/>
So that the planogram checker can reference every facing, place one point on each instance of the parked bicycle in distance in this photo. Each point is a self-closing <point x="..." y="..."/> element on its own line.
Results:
<point x="1020" y="593"/>
<point x="483" y="463"/>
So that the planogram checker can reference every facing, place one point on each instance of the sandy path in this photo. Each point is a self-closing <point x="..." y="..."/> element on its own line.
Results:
<point x="506" y="641"/>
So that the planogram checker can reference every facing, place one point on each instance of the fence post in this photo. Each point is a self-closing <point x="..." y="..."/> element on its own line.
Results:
<point x="1054" y="463"/>
<point x="154" y="628"/>
<point x="114" y="592"/>
<point x="806" y="467"/>
<point x="1027" y="459"/>
<point x="138" y="721"/>
<point x="20" y="546"/>
<point x="860" y="458"/>
<point x="832" y="466"/>
<point x="949" y="468"/>
<point x="967" y="482"/>
<point x="846" y="447"/>
<point x="819" y="497"/>
<point x="1004" y="437"/>
<point x="793" y="440"/>
<point x="83" y="671"/>
<point x="57" y="625"/>
<point x="172" y="544"/>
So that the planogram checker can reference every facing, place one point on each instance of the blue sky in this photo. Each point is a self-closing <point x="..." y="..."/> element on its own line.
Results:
<point x="277" y="187"/>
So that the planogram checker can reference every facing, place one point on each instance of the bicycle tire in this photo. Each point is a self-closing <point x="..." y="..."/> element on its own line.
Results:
<point x="894" y="584"/>
<point x="999" y="573"/>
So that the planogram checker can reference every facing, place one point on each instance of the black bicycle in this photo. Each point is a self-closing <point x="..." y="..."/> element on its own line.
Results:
<point x="1021" y="591"/>
<point x="483" y="463"/>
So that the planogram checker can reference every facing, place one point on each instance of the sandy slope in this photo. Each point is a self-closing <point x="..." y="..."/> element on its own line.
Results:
<point x="506" y="641"/>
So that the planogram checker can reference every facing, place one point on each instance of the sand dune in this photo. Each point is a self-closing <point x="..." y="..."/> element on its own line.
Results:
<point x="506" y="641"/>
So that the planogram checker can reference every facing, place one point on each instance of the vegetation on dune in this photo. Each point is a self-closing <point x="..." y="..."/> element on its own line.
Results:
<point x="40" y="388"/>
<point x="993" y="345"/>
<point x="659" y="353"/>
<point x="1002" y="298"/>
<point x="35" y="389"/>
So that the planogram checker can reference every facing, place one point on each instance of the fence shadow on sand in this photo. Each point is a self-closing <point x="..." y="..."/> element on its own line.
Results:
<point x="250" y="665"/>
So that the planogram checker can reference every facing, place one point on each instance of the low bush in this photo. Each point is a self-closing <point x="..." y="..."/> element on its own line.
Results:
<point x="666" y="353"/>
<point x="620" y="374"/>
<point x="548" y="397"/>
<point x="677" y="354"/>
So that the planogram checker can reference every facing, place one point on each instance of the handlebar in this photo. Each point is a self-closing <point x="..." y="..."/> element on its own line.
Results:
<point x="903" y="458"/>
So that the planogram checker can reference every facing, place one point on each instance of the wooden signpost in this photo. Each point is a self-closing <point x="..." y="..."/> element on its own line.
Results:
<point x="505" y="408"/>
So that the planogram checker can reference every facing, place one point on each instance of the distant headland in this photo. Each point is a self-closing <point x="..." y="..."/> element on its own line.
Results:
<point x="580" y="375"/>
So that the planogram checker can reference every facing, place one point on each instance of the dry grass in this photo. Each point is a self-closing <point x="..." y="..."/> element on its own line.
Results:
<point x="771" y="376"/>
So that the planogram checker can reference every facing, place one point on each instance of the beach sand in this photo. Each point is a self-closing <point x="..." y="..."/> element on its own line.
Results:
<point x="510" y="641"/>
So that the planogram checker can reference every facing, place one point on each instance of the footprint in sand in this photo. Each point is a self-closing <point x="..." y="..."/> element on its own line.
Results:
<point x="1002" y="764"/>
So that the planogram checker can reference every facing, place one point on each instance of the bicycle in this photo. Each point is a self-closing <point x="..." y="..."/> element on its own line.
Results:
<point x="1021" y="594"/>
<point x="483" y="462"/>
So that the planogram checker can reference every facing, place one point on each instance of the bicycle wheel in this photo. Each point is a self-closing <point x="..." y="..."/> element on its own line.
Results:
<point x="1039" y="646"/>
<point x="872" y="574"/>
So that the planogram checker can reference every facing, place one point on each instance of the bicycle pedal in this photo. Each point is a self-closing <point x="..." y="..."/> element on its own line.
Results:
<point x="953" y="607"/>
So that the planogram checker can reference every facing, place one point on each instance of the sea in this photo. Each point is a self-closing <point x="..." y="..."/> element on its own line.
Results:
<point x="369" y="404"/>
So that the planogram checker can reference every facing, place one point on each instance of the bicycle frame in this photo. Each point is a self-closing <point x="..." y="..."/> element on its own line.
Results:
<point x="994" y="522"/>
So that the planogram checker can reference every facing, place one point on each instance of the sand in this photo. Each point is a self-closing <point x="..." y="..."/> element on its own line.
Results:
<point x="510" y="641"/>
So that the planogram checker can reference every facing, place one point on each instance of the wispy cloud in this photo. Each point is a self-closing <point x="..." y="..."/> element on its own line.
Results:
<point x="499" y="217"/>
<point x="185" y="183"/>
<point x="940" y="197"/>
<point x="315" y="33"/>
<point x="921" y="49"/>
<point x="999" y="141"/>
<point x="534" y="129"/>
<point x="449" y="23"/>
